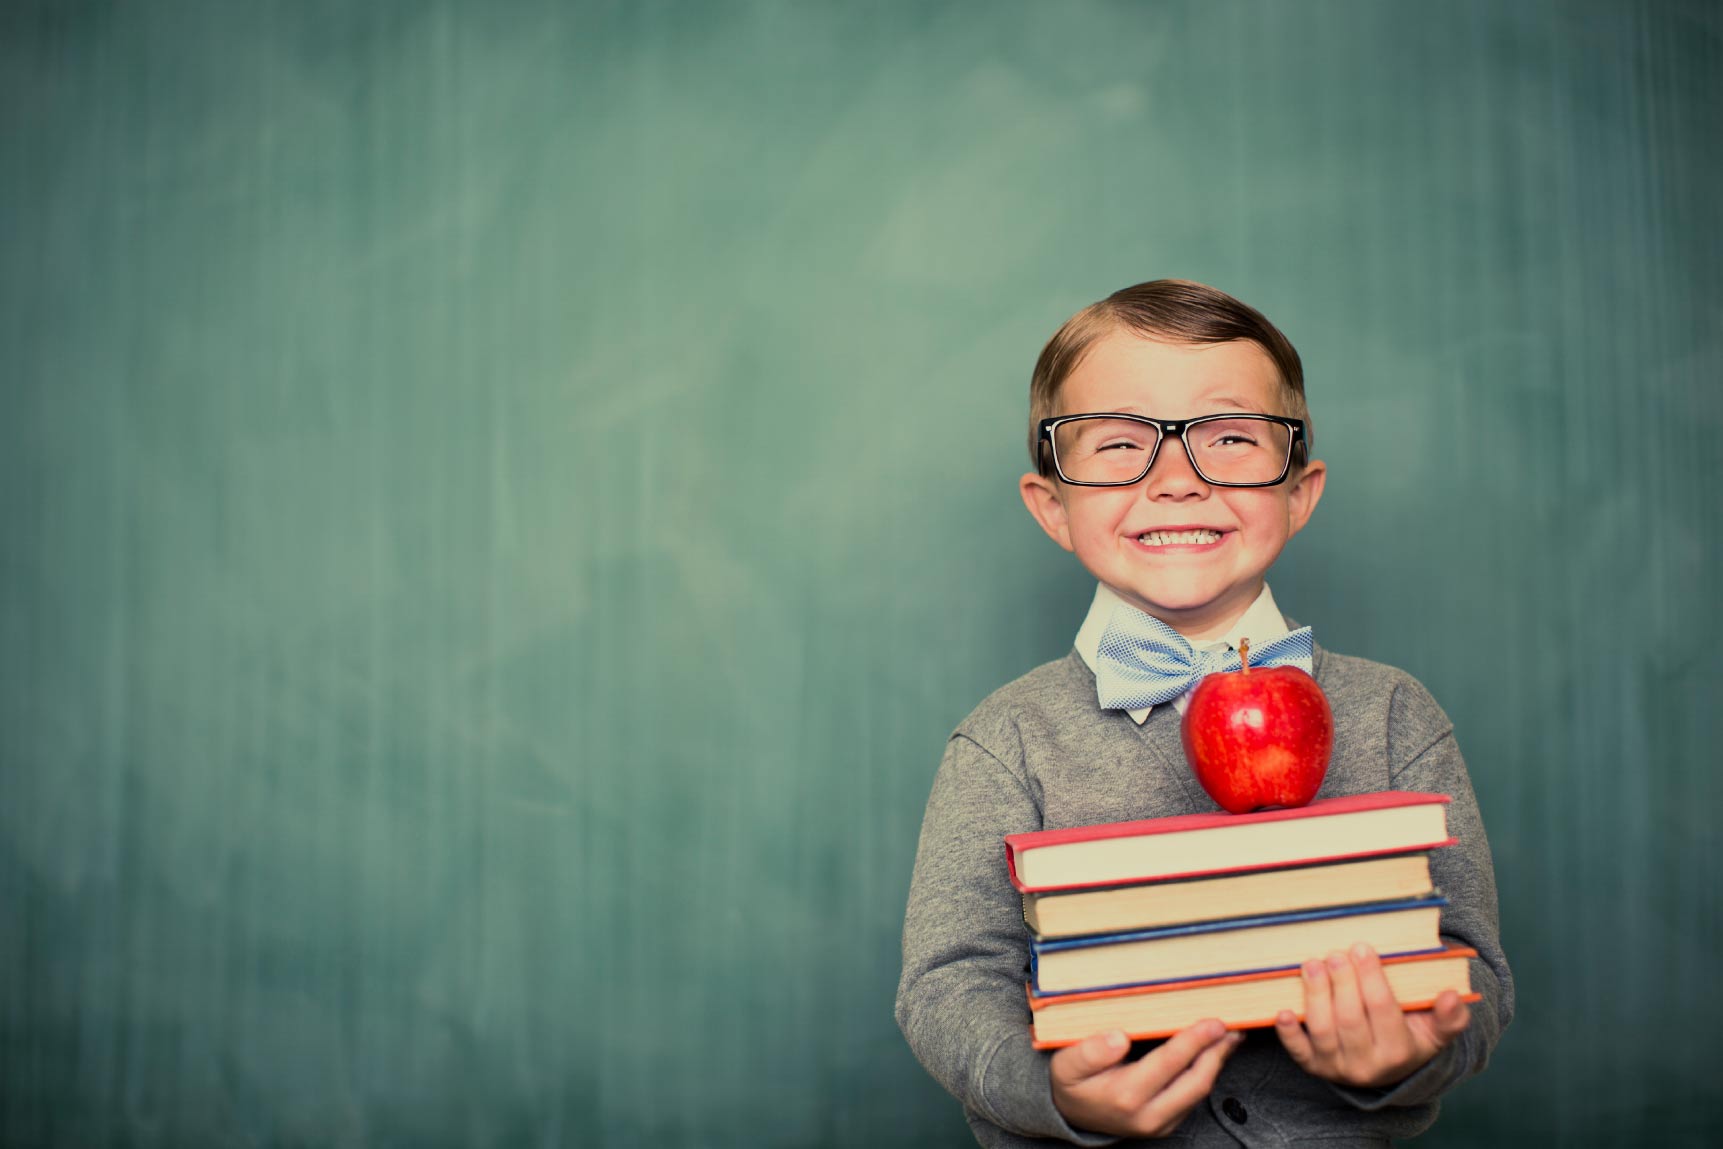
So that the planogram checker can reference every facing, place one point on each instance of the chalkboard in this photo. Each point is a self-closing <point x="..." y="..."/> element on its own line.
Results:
<point x="502" y="504"/>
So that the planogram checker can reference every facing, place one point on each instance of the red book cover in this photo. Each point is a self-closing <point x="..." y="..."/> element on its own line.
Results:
<point x="1016" y="845"/>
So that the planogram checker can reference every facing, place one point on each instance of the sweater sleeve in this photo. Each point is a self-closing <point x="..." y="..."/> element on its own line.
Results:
<point x="1427" y="758"/>
<point x="961" y="1001"/>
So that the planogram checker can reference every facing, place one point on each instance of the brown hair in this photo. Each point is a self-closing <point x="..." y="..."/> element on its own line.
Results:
<point x="1176" y="310"/>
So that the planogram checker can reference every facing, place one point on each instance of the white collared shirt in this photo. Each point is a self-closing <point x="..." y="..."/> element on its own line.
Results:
<point x="1261" y="623"/>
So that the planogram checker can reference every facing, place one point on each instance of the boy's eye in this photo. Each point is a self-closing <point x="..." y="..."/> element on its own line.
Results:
<point x="1234" y="434"/>
<point x="1104" y="436"/>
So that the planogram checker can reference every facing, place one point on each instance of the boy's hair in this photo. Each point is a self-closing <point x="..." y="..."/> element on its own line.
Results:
<point x="1174" y="310"/>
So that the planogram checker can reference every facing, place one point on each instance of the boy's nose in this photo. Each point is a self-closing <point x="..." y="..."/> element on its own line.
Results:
<point x="1172" y="475"/>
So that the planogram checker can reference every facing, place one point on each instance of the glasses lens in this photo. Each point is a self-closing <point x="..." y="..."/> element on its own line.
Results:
<point x="1104" y="450"/>
<point x="1240" y="450"/>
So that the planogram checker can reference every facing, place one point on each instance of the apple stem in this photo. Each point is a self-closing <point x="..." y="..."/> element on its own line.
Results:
<point x="1244" y="655"/>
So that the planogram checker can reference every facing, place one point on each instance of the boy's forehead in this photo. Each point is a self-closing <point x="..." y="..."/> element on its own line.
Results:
<point x="1123" y="371"/>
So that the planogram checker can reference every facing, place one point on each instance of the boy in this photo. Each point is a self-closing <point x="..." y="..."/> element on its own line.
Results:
<point x="1179" y="522"/>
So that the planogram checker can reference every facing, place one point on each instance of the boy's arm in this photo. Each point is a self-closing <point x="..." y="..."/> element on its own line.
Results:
<point x="1427" y="758"/>
<point x="961" y="1001"/>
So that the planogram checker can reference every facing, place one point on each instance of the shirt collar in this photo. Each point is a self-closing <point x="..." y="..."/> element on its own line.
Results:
<point x="1262" y="623"/>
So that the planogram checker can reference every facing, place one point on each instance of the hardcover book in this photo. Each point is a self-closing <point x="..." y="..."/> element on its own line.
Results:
<point x="1238" y="945"/>
<point x="1243" y="1001"/>
<point x="1115" y="909"/>
<point x="1196" y="845"/>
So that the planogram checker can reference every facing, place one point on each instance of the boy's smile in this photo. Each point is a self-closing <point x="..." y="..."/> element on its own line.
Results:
<point x="1190" y="553"/>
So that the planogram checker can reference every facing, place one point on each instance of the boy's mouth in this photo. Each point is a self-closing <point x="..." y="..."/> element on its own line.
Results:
<point x="1198" y="537"/>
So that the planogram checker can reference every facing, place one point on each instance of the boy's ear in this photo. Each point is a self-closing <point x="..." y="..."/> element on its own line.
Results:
<point x="1041" y="496"/>
<point x="1305" y="493"/>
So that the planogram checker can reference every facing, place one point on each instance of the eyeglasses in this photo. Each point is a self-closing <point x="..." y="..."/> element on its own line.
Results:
<point x="1112" y="450"/>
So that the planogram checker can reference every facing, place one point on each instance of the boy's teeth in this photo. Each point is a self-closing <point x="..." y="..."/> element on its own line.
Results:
<point x="1168" y="538"/>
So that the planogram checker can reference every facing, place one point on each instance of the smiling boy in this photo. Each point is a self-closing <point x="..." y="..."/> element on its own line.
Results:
<point x="1170" y="444"/>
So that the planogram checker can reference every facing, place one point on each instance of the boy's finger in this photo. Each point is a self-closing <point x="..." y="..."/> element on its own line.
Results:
<point x="1451" y="1016"/>
<point x="1152" y="1073"/>
<point x="1167" y="1107"/>
<point x="1349" y="1020"/>
<point x="1433" y="1028"/>
<point x="1381" y="1009"/>
<point x="1293" y="1037"/>
<point x="1319" y="1010"/>
<point x="1092" y="1055"/>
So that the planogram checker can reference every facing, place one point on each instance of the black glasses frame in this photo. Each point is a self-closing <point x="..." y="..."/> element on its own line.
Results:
<point x="1177" y="428"/>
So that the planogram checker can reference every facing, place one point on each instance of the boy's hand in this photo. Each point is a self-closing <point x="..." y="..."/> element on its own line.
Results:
<point x="1144" y="1098"/>
<point x="1355" y="1033"/>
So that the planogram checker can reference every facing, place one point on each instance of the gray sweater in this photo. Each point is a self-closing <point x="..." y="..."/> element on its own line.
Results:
<point x="1039" y="753"/>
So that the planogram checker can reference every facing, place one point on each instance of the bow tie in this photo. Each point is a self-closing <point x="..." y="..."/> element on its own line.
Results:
<point x="1144" y="662"/>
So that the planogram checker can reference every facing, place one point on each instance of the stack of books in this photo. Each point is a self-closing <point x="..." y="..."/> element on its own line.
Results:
<point x="1151" y="926"/>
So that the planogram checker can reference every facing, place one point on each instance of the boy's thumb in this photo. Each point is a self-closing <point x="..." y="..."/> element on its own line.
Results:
<point x="1091" y="1055"/>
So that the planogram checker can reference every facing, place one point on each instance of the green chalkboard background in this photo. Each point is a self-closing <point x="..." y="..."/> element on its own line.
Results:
<point x="501" y="504"/>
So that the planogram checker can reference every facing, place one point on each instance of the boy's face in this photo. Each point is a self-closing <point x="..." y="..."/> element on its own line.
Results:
<point x="1196" y="588"/>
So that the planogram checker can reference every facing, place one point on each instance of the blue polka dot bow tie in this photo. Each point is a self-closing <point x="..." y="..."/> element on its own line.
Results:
<point x="1144" y="662"/>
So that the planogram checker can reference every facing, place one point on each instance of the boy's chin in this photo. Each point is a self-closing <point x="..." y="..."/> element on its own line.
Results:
<point x="1194" y="610"/>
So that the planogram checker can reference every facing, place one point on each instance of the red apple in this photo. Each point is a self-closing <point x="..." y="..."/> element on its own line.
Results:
<point x="1258" y="738"/>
